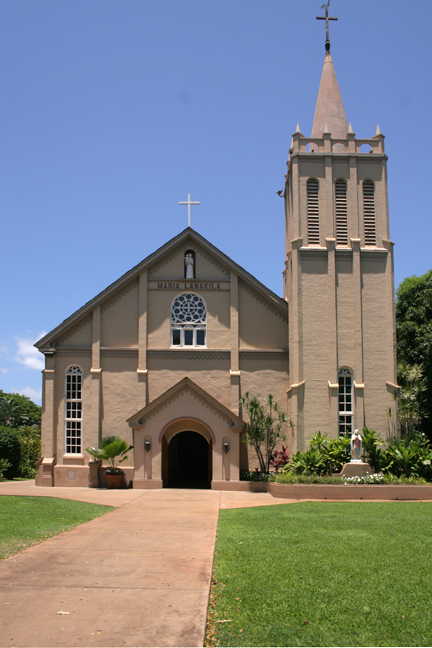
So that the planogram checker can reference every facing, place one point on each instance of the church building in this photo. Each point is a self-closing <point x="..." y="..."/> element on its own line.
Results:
<point x="162" y="357"/>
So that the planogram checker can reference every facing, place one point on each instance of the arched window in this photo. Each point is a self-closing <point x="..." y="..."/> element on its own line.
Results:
<point x="312" y="212"/>
<point x="73" y="410"/>
<point x="341" y="210"/>
<point x="188" y="321"/>
<point x="346" y="406"/>
<point x="369" y="212"/>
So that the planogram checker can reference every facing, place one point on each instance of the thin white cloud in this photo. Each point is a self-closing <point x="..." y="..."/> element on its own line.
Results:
<point x="28" y="355"/>
<point x="34" y="394"/>
<point x="3" y="370"/>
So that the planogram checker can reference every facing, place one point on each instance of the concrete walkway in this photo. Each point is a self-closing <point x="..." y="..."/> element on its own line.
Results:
<point x="138" y="576"/>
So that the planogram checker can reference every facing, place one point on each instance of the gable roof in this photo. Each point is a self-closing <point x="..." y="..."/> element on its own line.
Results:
<point x="186" y="384"/>
<point x="187" y="235"/>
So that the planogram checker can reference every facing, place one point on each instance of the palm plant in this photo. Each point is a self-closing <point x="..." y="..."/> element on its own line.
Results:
<point x="110" y="448"/>
<point x="319" y="441"/>
<point x="339" y="452"/>
<point x="11" y="413"/>
<point x="410" y="397"/>
<point x="402" y="457"/>
<point x="313" y="461"/>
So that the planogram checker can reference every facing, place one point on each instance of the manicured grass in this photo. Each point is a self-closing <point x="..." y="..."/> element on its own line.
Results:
<point x="25" y="521"/>
<point x="323" y="574"/>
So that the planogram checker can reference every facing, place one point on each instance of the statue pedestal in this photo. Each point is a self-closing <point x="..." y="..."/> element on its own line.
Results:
<point x="356" y="469"/>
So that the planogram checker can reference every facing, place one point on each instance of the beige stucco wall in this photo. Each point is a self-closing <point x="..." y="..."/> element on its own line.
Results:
<point x="260" y="326"/>
<point x="78" y="336"/>
<point x="377" y="329"/>
<point x="133" y="323"/>
<point x="345" y="314"/>
<point x="119" y="396"/>
<point x="314" y="360"/>
<point x="119" y="319"/>
<point x="340" y="297"/>
<point x="172" y="266"/>
<point x="211" y="374"/>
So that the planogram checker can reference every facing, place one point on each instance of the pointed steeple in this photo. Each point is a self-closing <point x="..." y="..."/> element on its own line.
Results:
<point x="329" y="111"/>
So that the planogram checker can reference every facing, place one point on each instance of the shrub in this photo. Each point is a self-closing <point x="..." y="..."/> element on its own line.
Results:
<point x="402" y="458"/>
<point x="4" y="467"/>
<point x="339" y="453"/>
<point x="30" y="442"/>
<point x="388" y="478"/>
<point x="289" y="477"/>
<point x="372" y="449"/>
<point x="311" y="461"/>
<point x="409" y="457"/>
<point x="10" y="449"/>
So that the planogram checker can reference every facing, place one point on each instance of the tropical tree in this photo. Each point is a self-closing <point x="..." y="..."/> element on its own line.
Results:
<point x="410" y="407"/>
<point x="30" y="412"/>
<point x="10" y="412"/>
<point x="414" y="337"/>
<point x="264" y="428"/>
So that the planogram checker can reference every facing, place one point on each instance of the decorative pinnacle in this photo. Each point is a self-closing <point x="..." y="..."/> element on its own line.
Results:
<point x="378" y="132"/>
<point x="350" y="128"/>
<point x="326" y="18"/>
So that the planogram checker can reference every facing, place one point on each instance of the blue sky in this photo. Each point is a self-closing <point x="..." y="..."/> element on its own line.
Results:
<point x="111" y="112"/>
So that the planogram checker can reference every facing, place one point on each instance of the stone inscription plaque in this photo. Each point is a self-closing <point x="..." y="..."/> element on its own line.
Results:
<point x="189" y="285"/>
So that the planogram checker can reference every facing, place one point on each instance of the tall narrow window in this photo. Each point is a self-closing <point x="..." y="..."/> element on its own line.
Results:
<point x="73" y="410"/>
<point x="188" y="321"/>
<point x="346" y="408"/>
<point x="312" y="212"/>
<point x="341" y="212"/>
<point x="369" y="212"/>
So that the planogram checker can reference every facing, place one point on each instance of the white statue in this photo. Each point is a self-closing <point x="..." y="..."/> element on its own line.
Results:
<point x="356" y="446"/>
<point x="189" y="262"/>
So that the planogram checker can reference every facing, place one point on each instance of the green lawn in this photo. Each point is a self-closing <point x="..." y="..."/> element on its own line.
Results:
<point x="25" y="521"/>
<point x="323" y="574"/>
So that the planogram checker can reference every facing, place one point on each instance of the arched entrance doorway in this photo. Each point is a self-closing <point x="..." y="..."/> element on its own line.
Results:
<point x="188" y="461"/>
<point x="187" y="446"/>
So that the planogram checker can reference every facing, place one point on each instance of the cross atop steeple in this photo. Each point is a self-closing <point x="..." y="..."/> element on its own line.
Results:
<point x="326" y="18"/>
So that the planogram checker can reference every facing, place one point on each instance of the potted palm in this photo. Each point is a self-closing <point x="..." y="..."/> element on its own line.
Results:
<point x="112" y="447"/>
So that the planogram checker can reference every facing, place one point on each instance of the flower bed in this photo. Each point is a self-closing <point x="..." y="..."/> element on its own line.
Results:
<point x="352" y="491"/>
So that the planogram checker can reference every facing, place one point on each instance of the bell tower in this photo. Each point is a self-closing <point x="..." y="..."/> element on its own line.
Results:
<point x="338" y="277"/>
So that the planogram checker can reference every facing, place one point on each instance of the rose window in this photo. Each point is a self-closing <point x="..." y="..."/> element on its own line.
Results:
<point x="188" y="320"/>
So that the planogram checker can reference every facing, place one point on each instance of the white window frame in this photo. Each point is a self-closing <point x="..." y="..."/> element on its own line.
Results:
<point x="73" y="411"/>
<point x="188" y="313"/>
<point x="345" y="401"/>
